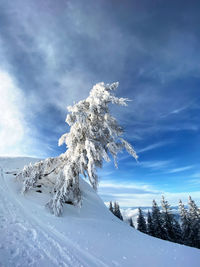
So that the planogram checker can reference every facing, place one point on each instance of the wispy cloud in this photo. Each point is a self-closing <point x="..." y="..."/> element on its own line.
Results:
<point x="124" y="185"/>
<point x="153" y="146"/>
<point x="177" y="110"/>
<point x="125" y="191"/>
<point x="181" y="169"/>
<point x="155" y="165"/>
<point x="196" y="175"/>
<point x="195" y="181"/>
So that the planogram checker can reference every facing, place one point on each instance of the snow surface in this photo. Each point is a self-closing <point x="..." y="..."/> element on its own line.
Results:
<point x="87" y="236"/>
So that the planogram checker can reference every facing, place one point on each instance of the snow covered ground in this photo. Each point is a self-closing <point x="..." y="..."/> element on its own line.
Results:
<point x="87" y="236"/>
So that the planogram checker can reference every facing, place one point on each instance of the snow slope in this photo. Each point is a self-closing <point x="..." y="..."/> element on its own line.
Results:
<point x="87" y="236"/>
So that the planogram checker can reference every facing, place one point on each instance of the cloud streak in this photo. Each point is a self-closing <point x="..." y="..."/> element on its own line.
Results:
<point x="181" y="169"/>
<point x="155" y="165"/>
<point x="153" y="146"/>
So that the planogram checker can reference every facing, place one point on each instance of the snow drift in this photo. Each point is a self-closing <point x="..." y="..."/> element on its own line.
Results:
<point x="87" y="236"/>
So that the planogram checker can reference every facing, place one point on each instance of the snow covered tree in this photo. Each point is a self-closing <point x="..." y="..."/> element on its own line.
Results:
<point x="194" y="217"/>
<point x="116" y="211"/>
<point x="141" y="223"/>
<point x="150" y="229"/>
<point x="94" y="135"/>
<point x="157" y="221"/>
<point x="185" y="223"/>
<point x="168" y="220"/>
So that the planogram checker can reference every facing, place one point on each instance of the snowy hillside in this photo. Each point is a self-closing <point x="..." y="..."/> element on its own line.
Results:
<point x="90" y="236"/>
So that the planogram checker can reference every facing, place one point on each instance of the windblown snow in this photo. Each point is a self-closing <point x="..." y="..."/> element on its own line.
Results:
<point x="87" y="236"/>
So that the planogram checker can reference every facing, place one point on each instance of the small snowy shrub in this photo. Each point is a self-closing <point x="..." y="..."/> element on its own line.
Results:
<point x="94" y="135"/>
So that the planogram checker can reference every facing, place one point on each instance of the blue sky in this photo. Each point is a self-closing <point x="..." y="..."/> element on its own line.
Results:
<point x="53" y="52"/>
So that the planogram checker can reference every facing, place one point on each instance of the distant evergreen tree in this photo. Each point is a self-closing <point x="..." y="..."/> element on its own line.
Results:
<point x="111" y="206"/>
<point x="131" y="223"/>
<point x="150" y="229"/>
<point x="157" y="221"/>
<point x="185" y="224"/>
<point x="168" y="221"/>
<point x="141" y="223"/>
<point x="116" y="211"/>
<point x="194" y="217"/>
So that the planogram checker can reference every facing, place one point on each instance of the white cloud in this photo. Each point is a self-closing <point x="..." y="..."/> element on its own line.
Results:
<point x="11" y="120"/>
<point x="153" y="146"/>
<point x="195" y="182"/>
<point x="14" y="133"/>
<point x="179" y="109"/>
<point x="125" y="185"/>
<point x="155" y="165"/>
<point x="181" y="169"/>
<point x="196" y="175"/>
